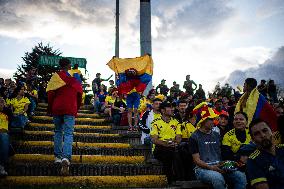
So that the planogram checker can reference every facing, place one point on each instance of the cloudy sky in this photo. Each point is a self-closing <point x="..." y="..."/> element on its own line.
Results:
<point x="208" y="39"/>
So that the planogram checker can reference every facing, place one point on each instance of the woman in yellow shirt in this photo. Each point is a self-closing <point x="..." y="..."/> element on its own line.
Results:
<point x="20" y="105"/>
<point x="234" y="139"/>
<point x="109" y="101"/>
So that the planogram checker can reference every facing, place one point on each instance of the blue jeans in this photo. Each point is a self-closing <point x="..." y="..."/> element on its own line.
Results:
<point x="19" y="121"/>
<point x="217" y="180"/>
<point x="32" y="105"/>
<point x="97" y="105"/>
<point x="4" y="148"/>
<point x="64" y="123"/>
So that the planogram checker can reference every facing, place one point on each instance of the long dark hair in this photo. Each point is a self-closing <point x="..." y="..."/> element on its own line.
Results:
<point x="17" y="90"/>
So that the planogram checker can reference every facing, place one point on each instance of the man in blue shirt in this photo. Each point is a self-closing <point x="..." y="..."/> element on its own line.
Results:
<point x="265" y="166"/>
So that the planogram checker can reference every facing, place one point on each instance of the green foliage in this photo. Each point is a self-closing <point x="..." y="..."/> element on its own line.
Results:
<point x="225" y="90"/>
<point x="31" y="60"/>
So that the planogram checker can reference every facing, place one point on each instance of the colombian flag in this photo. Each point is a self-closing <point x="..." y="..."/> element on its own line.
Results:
<point x="144" y="67"/>
<point x="61" y="79"/>
<point x="258" y="107"/>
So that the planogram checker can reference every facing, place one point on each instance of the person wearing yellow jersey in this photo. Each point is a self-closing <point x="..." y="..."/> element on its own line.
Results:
<point x="4" y="138"/>
<point x="184" y="166"/>
<point x="145" y="103"/>
<point x="109" y="101"/>
<point x="188" y="126"/>
<point x="20" y="105"/>
<point x="179" y="113"/>
<point x="234" y="139"/>
<point x="166" y="135"/>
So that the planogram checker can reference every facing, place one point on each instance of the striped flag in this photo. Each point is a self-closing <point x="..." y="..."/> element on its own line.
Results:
<point x="258" y="107"/>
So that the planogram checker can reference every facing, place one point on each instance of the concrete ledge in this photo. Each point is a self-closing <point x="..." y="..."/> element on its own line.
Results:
<point x="99" y="159"/>
<point x="192" y="184"/>
<point x="80" y="119"/>
<point x="75" y="144"/>
<point x="94" y="181"/>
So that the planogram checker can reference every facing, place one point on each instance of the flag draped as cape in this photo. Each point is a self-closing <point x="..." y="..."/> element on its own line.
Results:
<point x="258" y="107"/>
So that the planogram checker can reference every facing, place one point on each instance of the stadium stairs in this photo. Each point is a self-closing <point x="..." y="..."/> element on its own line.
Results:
<point x="104" y="156"/>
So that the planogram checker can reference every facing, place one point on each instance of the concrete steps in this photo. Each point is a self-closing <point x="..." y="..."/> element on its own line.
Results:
<point x="132" y="151"/>
<point x="140" y="181"/>
<point x="103" y="156"/>
<point x="84" y="137"/>
<point x="84" y="169"/>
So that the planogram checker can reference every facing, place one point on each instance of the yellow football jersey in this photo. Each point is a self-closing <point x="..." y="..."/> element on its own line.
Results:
<point x="230" y="139"/>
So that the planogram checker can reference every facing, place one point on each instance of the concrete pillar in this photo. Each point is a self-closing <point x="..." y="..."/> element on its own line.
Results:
<point x="117" y="28"/>
<point x="145" y="32"/>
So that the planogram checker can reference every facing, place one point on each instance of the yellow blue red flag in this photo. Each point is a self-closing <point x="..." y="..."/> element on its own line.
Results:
<point x="257" y="106"/>
<point x="133" y="73"/>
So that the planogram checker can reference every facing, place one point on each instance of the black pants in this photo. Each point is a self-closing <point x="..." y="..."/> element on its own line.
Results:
<point x="166" y="156"/>
<point x="116" y="119"/>
<point x="183" y="163"/>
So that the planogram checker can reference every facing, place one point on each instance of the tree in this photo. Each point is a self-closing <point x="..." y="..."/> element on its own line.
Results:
<point x="225" y="90"/>
<point x="31" y="60"/>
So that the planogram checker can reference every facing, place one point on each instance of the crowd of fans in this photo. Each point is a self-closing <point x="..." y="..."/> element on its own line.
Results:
<point x="214" y="147"/>
<point x="183" y="141"/>
<point x="17" y="103"/>
<point x="190" y="146"/>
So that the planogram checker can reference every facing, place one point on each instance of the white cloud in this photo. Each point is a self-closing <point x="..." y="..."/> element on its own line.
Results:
<point x="270" y="8"/>
<point x="271" y="68"/>
<point x="247" y="57"/>
<point x="197" y="37"/>
<point x="6" y="73"/>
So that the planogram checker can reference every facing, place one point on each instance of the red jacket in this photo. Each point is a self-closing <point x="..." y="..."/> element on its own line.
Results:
<point x="67" y="99"/>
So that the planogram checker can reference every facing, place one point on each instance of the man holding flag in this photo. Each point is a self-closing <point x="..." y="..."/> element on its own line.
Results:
<point x="133" y="74"/>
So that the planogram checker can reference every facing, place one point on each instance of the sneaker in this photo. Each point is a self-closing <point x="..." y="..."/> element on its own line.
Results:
<point x="135" y="129"/>
<point x="57" y="160"/>
<point x="65" y="167"/>
<point x="3" y="173"/>
<point x="153" y="161"/>
<point x="130" y="129"/>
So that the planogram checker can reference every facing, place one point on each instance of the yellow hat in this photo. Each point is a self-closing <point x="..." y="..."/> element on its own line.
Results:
<point x="203" y="112"/>
<point x="160" y="96"/>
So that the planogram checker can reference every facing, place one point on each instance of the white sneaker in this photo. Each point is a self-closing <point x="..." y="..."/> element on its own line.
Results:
<point x="3" y="173"/>
<point x="65" y="167"/>
<point x="65" y="161"/>
<point x="57" y="160"/>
